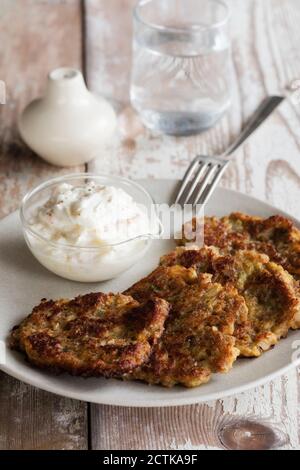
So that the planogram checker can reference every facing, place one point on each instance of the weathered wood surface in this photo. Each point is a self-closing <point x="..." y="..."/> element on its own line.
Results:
<point x="266" y="61"/>
<point x="195" y="426"/>
<point x="36" y="37"/>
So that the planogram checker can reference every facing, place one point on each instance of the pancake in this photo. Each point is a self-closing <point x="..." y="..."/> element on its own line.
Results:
<point x="198" y="338"/>
<point x="275" y="236"/>
<point x="92" y="335"/>
<point x="271" y="293"/>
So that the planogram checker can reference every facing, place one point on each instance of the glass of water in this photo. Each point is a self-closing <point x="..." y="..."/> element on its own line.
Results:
<point x="181" y="69"/>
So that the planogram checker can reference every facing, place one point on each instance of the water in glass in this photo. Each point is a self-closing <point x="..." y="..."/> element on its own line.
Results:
<point x="180" y="84"/>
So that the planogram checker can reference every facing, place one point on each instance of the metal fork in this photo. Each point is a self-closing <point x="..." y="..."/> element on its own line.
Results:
<point x="207" y="171"/>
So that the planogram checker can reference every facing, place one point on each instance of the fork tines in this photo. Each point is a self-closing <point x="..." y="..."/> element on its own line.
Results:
<point x="201" y="179"/>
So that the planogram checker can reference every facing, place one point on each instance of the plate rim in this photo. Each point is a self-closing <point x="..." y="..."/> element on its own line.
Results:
<point x="171" y="401"/>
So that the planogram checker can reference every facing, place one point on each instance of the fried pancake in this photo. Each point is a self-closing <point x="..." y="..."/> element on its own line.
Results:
<point x="197" y="340"/>
<point x="270" y="292"/>
<point x="92" y="335"/>
<point x="275" y="236"/>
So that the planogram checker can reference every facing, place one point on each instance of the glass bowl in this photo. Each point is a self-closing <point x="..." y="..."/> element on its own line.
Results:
<point x="88" y="263"/>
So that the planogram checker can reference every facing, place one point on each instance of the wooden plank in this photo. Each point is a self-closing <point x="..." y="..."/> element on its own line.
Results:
<point x="266" y="60"/>
<point x="195" y="426"/>
<point x="36" y="37"/>
<point x="33" y="419"/>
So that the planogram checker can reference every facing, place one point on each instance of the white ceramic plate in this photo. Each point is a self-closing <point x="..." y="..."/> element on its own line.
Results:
<point x="23" y="282"/>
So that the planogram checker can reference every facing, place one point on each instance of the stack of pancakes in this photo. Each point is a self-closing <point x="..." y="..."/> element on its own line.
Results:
<point x="198" y="311"/>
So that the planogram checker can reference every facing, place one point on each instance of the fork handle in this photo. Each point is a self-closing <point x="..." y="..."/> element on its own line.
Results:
<point x="263" y="111"/>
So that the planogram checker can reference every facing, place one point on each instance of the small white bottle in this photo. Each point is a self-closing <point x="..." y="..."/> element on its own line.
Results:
<point x="69" y="125"/>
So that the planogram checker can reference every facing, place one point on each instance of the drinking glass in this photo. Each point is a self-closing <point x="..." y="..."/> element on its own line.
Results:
<point x="181" y="69"/>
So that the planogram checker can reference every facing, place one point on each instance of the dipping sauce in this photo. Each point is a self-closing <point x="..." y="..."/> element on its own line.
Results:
<point x="88" y="232"/>
<point x="90" y="215"/>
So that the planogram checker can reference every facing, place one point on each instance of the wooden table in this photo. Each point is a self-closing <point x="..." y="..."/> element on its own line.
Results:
<point x="95" y="35"/>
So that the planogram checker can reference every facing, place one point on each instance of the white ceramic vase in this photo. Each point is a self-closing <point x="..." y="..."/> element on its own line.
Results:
<point x="69" y="125"/>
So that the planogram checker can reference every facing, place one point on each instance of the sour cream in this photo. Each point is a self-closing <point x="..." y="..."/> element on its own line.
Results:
<point x="90" y="215"/>
<point x="88" y="232"/>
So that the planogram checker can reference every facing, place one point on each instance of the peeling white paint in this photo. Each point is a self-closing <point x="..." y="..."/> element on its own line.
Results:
<point x="189" y="446"/>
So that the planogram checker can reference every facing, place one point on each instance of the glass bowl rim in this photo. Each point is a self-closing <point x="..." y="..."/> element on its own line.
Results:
<point x="61" y="179"/>
<point x="197" y="28"/>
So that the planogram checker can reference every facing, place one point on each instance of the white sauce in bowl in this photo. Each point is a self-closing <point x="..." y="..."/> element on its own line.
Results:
<point x="90" y="215"/>
<point x="88" y="232"/>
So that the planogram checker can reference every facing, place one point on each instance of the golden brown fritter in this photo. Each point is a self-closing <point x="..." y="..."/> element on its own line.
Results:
<point x="91" y="335"/>
<point x="197" y="340"/>
<point x="270" y="292"/>
<point x="275" y="236"/>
